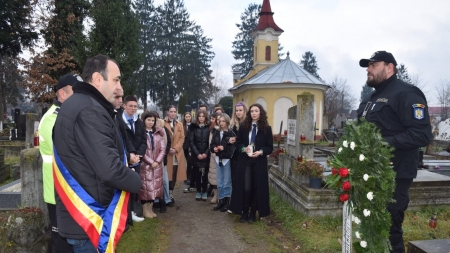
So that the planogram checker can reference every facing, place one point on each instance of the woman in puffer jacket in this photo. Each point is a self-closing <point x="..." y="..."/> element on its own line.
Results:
<point x="199" y="144"/>
<point x="152" y="166"/>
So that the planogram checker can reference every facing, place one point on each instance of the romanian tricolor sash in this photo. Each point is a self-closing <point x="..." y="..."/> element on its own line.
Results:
<point x="103" y="226"/>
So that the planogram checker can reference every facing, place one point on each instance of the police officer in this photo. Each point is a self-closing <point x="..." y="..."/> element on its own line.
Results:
<point x="400" y="111"/>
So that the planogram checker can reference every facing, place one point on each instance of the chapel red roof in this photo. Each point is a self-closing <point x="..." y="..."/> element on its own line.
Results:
<point x="266" y="18"/>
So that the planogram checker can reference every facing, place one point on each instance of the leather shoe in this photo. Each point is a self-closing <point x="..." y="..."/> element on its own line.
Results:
<point x="170" y="204"/>
<point x="244" y="218"/>
<point x="252" y="217"/>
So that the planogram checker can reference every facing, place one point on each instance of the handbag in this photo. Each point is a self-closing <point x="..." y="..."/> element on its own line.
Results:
<point x="229" y="149"/>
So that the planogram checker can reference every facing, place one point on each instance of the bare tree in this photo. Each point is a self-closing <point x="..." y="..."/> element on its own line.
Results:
<point x="443" y="97"/>
<point x="417" y="80"/>
<point x="338" y="99"/>
<point x="219" y="86"/>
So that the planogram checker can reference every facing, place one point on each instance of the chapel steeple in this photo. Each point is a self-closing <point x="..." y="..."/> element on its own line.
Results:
<point x="265" y="39"/>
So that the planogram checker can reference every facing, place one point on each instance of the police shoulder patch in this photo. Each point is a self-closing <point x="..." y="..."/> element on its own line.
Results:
<point x="418" y="111"/>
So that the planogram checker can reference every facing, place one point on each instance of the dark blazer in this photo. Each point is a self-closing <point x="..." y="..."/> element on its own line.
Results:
<point x="264" y="142"/>
<point x="123" y="133"/>
<point x="139" y="137"/>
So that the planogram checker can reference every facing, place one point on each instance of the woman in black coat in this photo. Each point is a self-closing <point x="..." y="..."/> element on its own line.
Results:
<point x="199" y="144"/>
<point x="255" y="142"/>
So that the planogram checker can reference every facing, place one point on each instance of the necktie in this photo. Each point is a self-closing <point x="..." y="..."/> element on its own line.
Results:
<point x="131" y="124"/>
<point x="253" y="137"/>
<point x="150" y="133"/>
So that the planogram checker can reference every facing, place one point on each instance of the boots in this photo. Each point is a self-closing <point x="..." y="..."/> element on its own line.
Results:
<point x="226" y="202"/>
<point x="244" y="216"/>
<point x="215" y="198"/>
<point x="145" y="211"/>
<point x="162" y="206"/>
<point x="148" y="210"/>
<point x="252" y="215"/>
<point x="219" y="205"/>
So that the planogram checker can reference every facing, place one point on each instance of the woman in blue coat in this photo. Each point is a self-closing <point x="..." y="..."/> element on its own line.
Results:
<point x="255" y="143"/>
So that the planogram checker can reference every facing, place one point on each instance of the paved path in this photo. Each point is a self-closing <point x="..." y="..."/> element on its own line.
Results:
<point x="196" y="228"/>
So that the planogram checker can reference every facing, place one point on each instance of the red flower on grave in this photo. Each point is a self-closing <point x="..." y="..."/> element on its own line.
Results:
<point x="343" y="197"/>
<point x="343" y="172"/>
<point x="346" y="186"/>
<point x="334" y="171"/>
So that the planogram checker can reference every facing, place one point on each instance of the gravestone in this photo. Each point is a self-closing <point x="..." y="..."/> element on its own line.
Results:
<point x="305" y="120"/>
<point x="32" y="124"/>
<point x="32" y="184"/>
<point x="21" y="127"/>
<point x="429" y="246"/>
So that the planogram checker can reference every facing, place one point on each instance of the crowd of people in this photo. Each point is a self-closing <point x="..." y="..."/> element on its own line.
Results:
<point x="106" y="167"/>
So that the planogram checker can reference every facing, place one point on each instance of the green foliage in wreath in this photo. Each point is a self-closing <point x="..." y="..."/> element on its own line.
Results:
<point x="362" y="174"/>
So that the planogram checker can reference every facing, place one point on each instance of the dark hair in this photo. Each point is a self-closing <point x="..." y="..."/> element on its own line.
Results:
<point x="129" y="98"/>
<point x="150" y="114"/>
<point x="184" y="122"/>
<point x="170" y="107"/>
<point x="213" y="123"/>
<point x="203" y="105"/>
<point x="219" y="108"/>
<point x="205" y="113"/>
<point x="262" y="121"/>
<point x="217" y="105"/>
<point x="98" y="64"/>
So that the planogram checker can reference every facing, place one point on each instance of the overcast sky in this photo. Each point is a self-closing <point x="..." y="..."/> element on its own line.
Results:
<point x="340" y="33"/>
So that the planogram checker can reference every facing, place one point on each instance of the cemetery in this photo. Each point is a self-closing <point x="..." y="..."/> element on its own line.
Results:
<point x="296" y="162"/>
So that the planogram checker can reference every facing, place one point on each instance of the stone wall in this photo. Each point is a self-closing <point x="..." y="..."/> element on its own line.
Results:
<point x="428" y="189"/>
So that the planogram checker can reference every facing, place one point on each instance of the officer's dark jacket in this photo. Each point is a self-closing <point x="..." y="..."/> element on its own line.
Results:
<point x="400" y="111"/>
<point x="89" y="145"/>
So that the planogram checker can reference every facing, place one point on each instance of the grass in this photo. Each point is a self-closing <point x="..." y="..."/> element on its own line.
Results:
<point x="314" y="234"/>
<point x="322" y="234"/>
<point x="10" y="161"/>
<point x="151" y="235"/>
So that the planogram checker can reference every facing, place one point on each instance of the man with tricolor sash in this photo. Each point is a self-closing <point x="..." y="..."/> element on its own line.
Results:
<point x="92" y="180"/>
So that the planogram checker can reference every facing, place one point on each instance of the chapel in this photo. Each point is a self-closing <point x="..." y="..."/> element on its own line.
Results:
<point x="275" y="84"/>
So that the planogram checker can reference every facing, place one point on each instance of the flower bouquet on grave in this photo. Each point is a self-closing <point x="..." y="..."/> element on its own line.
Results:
<point x="362" y="175"/>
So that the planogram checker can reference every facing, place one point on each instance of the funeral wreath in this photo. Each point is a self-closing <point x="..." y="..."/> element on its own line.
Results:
<point x="362" y="175"/>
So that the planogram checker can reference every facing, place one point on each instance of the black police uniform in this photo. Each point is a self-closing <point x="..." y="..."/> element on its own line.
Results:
<point x="400" y="111"/>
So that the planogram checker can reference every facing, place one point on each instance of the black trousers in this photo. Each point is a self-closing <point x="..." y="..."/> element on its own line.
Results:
<point x="201" y="179"/>
<point x="173" y="180"/>
<point x="250" y="190"/>
<point x="59" y="244"/>
<point x="189" y="169"/>
<point x="397" y="211"/>
<point x="233" y="167"/>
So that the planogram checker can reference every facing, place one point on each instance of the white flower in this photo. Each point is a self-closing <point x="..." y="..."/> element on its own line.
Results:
<point x="345" y="144"/>
<point x="366" y="177"/>
<point x="366" y="212"/>
<point x="352" y="145"/>
<point x="357" y="220"/>
<point x="363" y="244"/>
<point x="370" y="195"/>
<point x="357" y="235"/>
<point x="361" y="157"/>
<point x="339" y="150"/>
